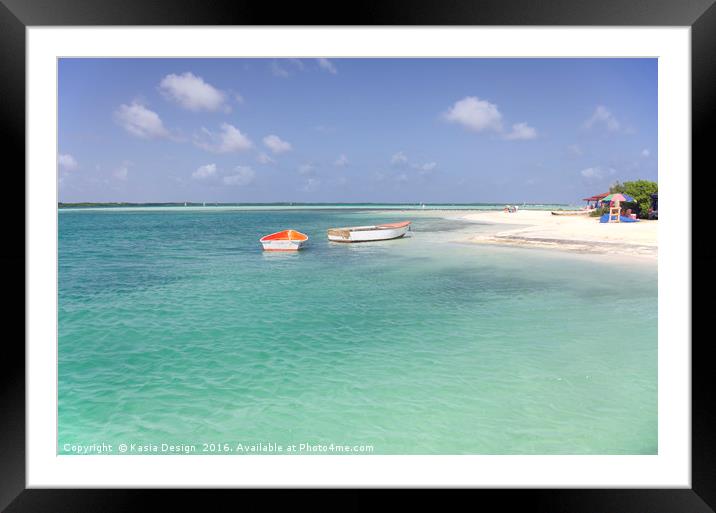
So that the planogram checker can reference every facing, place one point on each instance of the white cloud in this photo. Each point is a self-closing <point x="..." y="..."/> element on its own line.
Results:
<point x="277" y="70"/>
<point x="324" y="129"/>
<point x="575" y="150"/>
<point x="645" y="153"/>
<point x="276" y="144"/>
<point x="265" y="159"/>
<point x="67" y="162"/>
<point x="475" y="114"/>
<point x="521" y="131"/>
<point x="328" y="66"/>
<point x="228" y="141"/>
<point x="306" y="169"/>
<point x="398" y="159"/>
<point x="401" y="178"/>
<point x="140" y="121"/>
<point x="205" y="171"/>
<point x="311" y="185"/>
<point x="341" y="161"/>
<point x="121" y="172"/>
<point x="602" y="116"/>
<point x="427" y="167"/>
<point x="243" y="175"/>
<point x="597" y="172"/>
<point x="192" y="93"/>
<point x="298" y="63"/>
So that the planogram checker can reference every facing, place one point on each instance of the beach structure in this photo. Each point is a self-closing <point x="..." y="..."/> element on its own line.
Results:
<point x="595" y="200"/>
<point x="378" y="232"/>
<point x="286" y="240"/>
<point x="615" y="210"/>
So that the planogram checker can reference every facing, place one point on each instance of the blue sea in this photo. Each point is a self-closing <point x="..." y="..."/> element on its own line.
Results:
<point x="177" y="334"/>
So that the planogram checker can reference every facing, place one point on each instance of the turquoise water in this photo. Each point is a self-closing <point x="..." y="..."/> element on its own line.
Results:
<point x="175" y="328"/>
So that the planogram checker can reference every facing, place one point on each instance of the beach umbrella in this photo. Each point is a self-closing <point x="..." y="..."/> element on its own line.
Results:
<point x="618" y="196"/>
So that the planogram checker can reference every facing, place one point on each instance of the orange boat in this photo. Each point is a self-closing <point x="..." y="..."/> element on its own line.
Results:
<point x="286" y="240"/>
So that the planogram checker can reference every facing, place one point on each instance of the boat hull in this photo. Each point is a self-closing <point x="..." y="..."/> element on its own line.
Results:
<point x="286" y="240"/>
<point x="368" y="233"/>
<point x="282" y="245"/>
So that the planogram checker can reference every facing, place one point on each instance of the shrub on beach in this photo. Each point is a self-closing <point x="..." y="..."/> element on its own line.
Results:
<point x="641" y="191"/>
<point x="599" y="212"/>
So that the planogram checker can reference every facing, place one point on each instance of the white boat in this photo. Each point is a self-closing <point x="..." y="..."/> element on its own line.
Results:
<point x="369" y="233"/>
<point x="285" y="240"/>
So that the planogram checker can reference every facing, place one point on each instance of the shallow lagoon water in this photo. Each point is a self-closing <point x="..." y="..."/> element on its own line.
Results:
<point x="174" y="327"/>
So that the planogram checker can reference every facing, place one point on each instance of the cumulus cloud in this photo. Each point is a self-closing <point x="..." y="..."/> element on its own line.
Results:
<point x="341" y="161"/>
<point x="483" y="116"/>
<point x="521" y="131"/>
<point x="597" y="172"/>
<point x="204" y="172"/>
<point x="264" y="159"/>
<point x="328" y="66"/>
<point x="276" y="144"/>
<point x="603" y="117"/>
<point x="140" y="121"/>
<point x="192" y="93"/>
<point x="242" y="175"/>
<point x="475" y="114"/>
<point x="67" y="162"/>
<point x="229" y="140"/>
<point x="398" y="159"/>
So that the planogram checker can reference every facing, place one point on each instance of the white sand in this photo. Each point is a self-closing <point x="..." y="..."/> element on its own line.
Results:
<point x="573" y="233"/>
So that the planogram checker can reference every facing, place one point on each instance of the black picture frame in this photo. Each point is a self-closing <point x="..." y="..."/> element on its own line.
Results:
<point x="16" y="15"/>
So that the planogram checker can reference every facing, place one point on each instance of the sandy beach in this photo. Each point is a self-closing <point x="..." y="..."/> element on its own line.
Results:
<point x="580" y="233"/>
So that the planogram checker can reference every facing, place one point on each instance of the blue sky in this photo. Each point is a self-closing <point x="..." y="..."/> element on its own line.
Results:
<point x="354" y="130"/>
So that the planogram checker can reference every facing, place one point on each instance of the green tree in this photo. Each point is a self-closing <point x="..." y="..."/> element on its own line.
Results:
<point x="617" y="187"/>
<point x="641" y="191"/>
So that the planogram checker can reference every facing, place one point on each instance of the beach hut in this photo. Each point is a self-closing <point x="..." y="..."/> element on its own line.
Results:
<point x="597" y="199"/>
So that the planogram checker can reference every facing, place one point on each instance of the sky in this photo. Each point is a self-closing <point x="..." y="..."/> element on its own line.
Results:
<point x="353" y="130"/>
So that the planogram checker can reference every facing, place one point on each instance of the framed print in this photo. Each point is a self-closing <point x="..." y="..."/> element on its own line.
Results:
<point x="416" y="250"/>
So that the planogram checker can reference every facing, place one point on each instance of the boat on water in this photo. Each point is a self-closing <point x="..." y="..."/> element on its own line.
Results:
<point x="573" y="212"/>
<point x="377" y="232"/>
<point x="286" y="240"/>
